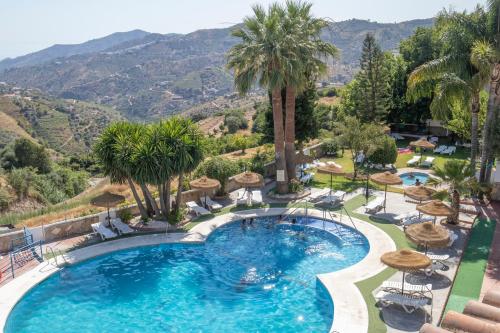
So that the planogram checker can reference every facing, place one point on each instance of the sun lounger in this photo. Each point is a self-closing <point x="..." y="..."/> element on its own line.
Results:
<point x="401" y="217"/>
<point x="212" y="205"/>
<point x="415" y="220"/>
<point x="449" y="151"/>
<point x="196" y="209"/>
<point x="375" y="205"/>
<point x="307" y="178"/>
<point x="335" y="197"/>
<point x="395" y="287"/>
<point x="439" y="149"/>
<point x="120" y="227"/>
<point x="434" y="139"/>
<point x="103" y="231"/>
<point x="409" y="303"/>
<point x="414" y="160"/>
<point x="257" y="197"/>
<point x="428" y="161"/>
<point x="318" y="194"/>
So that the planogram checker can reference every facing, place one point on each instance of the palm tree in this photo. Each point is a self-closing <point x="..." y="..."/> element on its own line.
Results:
<point x="458" y="175"/>
<point x="306" y="53"/>
<point x="454" y="79"/>
<point x="107" y="154"/>
<point x="490" y="53"/>
<point x="260" y="58"/>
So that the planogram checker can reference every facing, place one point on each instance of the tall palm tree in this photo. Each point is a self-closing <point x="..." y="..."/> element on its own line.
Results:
<point x="260" y="58"/>
<point x="458" y="175"/>
<point x="107" y="154"/>
<point x="307" y="54"/>
<point x="454" y="79"/>
<point x="491" y="53"/>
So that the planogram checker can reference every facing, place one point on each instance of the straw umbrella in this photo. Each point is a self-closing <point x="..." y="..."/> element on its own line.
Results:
<point x="386" y="178"/>
<point x="435" y="208"/>
<point x="108" y="200"/>
<point x="302" y="159"/>
<point x="331" y="169"/>
<point x="248" y="180"/>
<point x="205" y="185"/>
<point x="429" y="235"/>
<point x="419" y="193"/>
<point x="405" y="260"/>
<point x="422" y="143"/>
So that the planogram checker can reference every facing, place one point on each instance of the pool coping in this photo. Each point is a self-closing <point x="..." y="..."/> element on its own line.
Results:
<point x="350" y="310"/>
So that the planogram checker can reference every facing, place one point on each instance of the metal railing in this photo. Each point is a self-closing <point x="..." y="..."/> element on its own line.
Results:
<point x="56" y="254"/>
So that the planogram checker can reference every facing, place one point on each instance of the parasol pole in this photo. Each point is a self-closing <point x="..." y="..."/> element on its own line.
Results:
<point x="403" y="284"/>
<point x="331" y="183"/>
<point x="385" y="196"/>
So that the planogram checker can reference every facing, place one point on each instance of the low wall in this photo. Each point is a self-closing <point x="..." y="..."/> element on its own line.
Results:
<point x="82" y="225"/>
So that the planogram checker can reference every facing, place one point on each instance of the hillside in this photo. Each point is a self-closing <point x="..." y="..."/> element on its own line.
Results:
<point x="159" y="75"/>
<point x="62" y="51"/>
<point x="66" y="126"/>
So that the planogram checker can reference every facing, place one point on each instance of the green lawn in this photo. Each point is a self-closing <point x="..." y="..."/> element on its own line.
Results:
<point x="469" y="278"/>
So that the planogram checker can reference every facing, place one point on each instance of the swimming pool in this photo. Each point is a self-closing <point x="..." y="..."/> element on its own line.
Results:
<point x="410" y="178"/>
<point x="260" y="278"/>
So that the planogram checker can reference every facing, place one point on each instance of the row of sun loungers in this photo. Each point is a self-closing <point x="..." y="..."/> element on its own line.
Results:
<point x="445" y="150"/>
<point x="117" y="227"/>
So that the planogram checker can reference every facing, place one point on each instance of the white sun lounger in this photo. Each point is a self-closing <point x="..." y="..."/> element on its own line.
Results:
<point x="375" y="205"/>
<point x="257" y="197"/>
<point x="103" y="231"/>
<point x="449" y="151"/>
<point x="335" y="197"/>
<point x="307" y="178"/>
<point x="121" y="227"/>
<point x="395" y="287"/>
<point x="196" y="209"/>
<point x="318" y="194"/>
<point x="402" y="217"/>
<point x="440" y="148"/>
<point x="416" y="219"/>
<point x="414" y="160"/>
<point x="213" y="205"/>
<point x="409" y="302"/>
<point x="428" y="161"/>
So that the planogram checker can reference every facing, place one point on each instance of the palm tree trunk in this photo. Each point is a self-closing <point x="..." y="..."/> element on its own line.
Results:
<point x="493" y="103"/>
<point x="279" y="142"/>
<point x="142" y="210"/>
<point x="149" y="197"/>
<point x="149" y="207"/>
<point x="166" y="191"/>
<point x="455" y="205"/>
<point x="474" y="130"/>
<point x="161" y="190"/>
<point x="290" y="131"/>
<point x="178" y="198"/>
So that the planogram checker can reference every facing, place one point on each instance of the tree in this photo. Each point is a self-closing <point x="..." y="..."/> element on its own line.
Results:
<point x="240" y="141"/>
<point x="385" y="152"/>
<point x="259" y="57"/>
<point x="22" y="181"/>
<point x="112" y="164"/>
<point x="460" y="119"/>
<point x="306" y="52"/>
<point x="25" y="153"/>
<point x="220" y="169"/>
<point x="456" y="75"/>
<point x="373" y="79"/>
<point x="358" y="137"/>
<point x="458" y="175"/>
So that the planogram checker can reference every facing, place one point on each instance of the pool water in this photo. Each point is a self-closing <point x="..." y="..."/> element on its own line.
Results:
<point x="409" y="179"/>
<point x="259" y="278"/>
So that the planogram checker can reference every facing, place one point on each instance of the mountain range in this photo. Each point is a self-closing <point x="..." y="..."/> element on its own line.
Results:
<point x="145" y="76"/>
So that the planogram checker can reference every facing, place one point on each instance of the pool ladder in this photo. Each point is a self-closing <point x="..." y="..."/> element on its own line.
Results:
<point x="55" y="255"/>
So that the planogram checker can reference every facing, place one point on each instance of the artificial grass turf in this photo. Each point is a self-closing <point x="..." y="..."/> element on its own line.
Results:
<point x="469" y="278"/>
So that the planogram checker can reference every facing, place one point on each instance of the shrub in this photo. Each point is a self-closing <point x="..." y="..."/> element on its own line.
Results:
<point x="295" y="186"/>
<point x="331" y="147"/>
<point x="22" y="181"/>
<point x="25" y="153"/>
<point x="176" y="217"/>
<point x="125" y="215"/>
<point x="386" y="151"/>
<point x="220" y="169"/>
<point x="5" y="199"/>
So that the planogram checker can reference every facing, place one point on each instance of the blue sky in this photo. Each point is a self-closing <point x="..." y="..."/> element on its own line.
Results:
<point x="31" y="25"/>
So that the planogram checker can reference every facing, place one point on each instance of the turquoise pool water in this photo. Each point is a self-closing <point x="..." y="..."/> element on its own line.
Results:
<point x="409" y="179"/>
<point x="259" y="278"/>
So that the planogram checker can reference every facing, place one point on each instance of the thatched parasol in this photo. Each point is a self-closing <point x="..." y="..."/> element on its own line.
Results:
<point x="331" y="169"/>
<point x="420" y="193"/>
<point x="435" y="208"/>
<point x="405" y="260"/>
<point x="107" y="200"/>
<point x="249" y="179"/>
<point x="386" y="178"/>
<point x="205" y="184"/>
<point x="422" y="143"/>
<point x="428" y="234"/>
